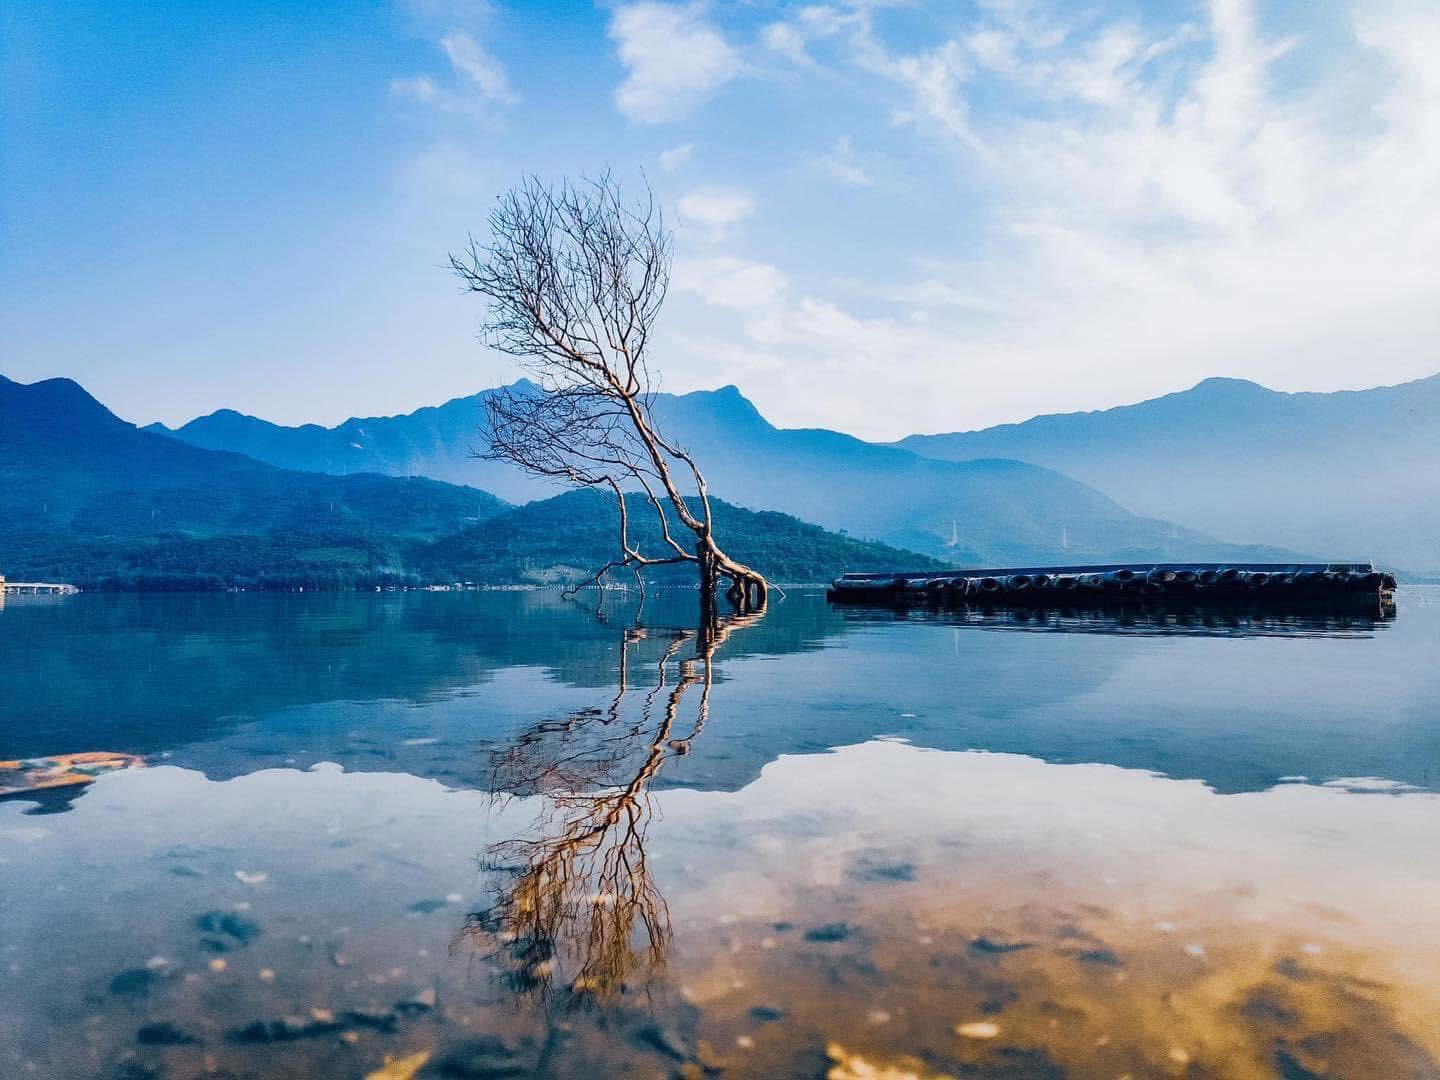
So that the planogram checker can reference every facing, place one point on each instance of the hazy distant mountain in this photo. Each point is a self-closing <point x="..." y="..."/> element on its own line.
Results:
<point x="978" y="512"/>
<point x="993" y="511"/>
<point x="436" y="441"/>
<point x="1351" y="475"/>
<point x="88" y="498"/>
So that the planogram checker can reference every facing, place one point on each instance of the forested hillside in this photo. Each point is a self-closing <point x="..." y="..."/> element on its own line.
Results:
<point x="563" y="538"/>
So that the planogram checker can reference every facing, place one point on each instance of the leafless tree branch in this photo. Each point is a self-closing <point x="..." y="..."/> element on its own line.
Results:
<point x="575" y="276"/>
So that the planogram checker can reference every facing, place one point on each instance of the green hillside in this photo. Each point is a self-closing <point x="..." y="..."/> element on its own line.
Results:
<point x="88" y="498"/>
<point x="563" y="538"/>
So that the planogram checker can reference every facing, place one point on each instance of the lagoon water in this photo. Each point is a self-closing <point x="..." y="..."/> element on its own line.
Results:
<point x="487" y="834"/>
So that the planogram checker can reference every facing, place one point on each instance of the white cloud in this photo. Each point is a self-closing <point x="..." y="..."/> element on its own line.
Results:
<point x="673" y="58"/>
<point x="840" y="163"/>
<point x="417" y="88"/>
<point x="730" y="282"/>
<point x="865" y="373"/>
<point x="934" y="293"/>
<point x="788" y="41"/>
<point x="716" y="208"/>
<point x="676" y="157"/>
<point x="480" y="81"/>
<point x="994" y="49"/>
<point x="1236" y="230"/>
<point x="814" y="23"/>
<point x="935" y="80"/>
<point x="1152" y="209"/>
<point x="448" y="174"/>
<point x="470" y="59"/>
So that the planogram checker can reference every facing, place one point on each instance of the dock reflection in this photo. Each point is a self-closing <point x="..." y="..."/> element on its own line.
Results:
<point x="1142" y="620"/>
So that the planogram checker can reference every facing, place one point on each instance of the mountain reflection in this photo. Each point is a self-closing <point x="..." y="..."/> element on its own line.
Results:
<point x="577" y="906"/>
<point x="100" y="671"/>
<point x="414" y="682"/>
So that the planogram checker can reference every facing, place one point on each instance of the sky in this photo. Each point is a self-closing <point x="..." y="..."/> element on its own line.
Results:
<point x="889" y="217"/>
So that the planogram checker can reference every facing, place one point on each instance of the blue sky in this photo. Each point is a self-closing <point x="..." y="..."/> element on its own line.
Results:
<point x="890" y="217"/>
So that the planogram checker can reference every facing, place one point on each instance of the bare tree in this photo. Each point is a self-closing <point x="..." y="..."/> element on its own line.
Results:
<point x="575" y="276"/>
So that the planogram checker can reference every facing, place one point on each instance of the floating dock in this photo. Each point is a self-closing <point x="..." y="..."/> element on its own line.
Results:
<point x="1350" y="586"/>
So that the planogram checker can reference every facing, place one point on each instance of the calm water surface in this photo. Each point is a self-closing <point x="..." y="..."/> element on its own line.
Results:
<point x="487" y="835"/>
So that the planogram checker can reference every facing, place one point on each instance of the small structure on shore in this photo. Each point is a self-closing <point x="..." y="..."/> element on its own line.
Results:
<point x="1271" y="585"/>
<point x="35" y="588"/>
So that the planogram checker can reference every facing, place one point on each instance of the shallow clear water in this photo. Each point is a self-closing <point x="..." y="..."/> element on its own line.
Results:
<point x="489" y="835"/>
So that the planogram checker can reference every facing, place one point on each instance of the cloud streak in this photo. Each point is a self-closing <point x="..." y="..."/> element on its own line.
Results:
<point x="673" y="58"/>
<point x="478" y="80"/>
<point x="715" y="209"/>
<point x="471" y="60"/>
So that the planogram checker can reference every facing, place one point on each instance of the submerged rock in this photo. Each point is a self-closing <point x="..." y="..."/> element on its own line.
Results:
<point x="665" y="1040"/>
<point x="838" y="931"/>
<point x="228" y="924"/>
<point x="883" y="872"/>
<point x="286" y="1029"/>
<point x="375" y="1019"/>
<point x="136" y="1070"/>
<point x="135" y="981"/>
<point x="991" y="947"/>
<point x="424" y="1001"/>
<point x="485" y="1057"/>
<point x="164" y="1033"/>
<point x="1290" y="1067"/>
<point x="1268" y="1005"/>
<point x="1290" y="968"/>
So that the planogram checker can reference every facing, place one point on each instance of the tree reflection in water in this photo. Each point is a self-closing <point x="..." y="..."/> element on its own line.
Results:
<point x="578" y="907"/>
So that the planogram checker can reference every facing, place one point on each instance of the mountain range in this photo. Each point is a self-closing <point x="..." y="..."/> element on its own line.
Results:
<point x="988" y="511"/>
<point x="86" y="497"/>
<point x="234" y="498"/>
<point x="1347" y="475"/>
<point x="439" y="442"/>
